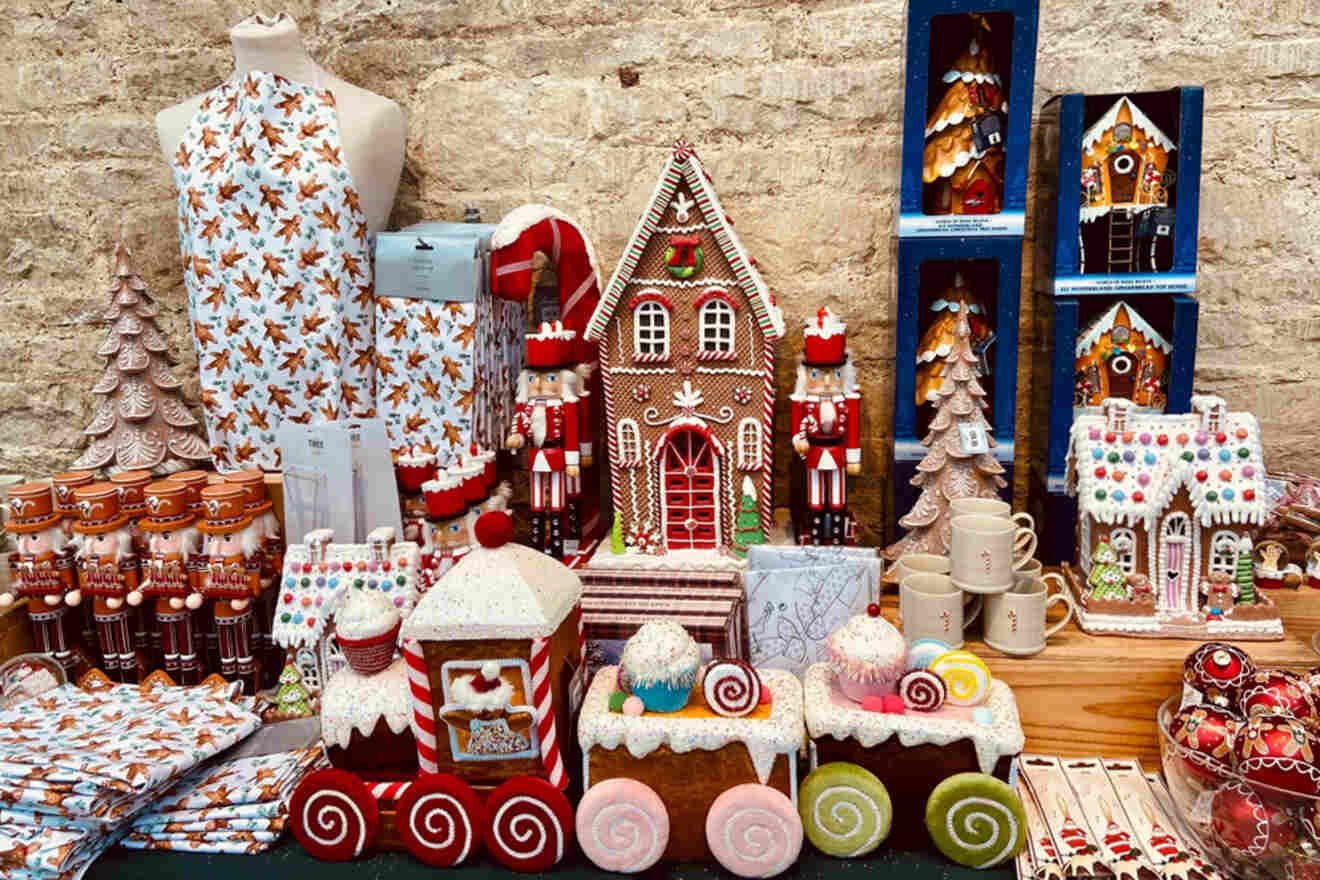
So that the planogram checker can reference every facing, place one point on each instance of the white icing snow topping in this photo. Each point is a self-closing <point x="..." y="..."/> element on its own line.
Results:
<point x="830" y="713"/>
<point x="660" y="651"/>
<point x="825" y="325"/>
<point x="508" y="592"/>
<point x="1109" y="320"/>
<point x="865" y="646"/>
<point x="366" y="613"/>
<point x="1140" y="121"/>
<point x="765" y="738"/>
<point x="416" y="457"/>
<point x="466" y="696"/>
<point x="444" y="479"/>
<point x="352" y="702"/>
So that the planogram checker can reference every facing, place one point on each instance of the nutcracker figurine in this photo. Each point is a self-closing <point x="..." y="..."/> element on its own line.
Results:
<point x="232" y="578"/>
<point x="65" y="484"/>
<point x="173" y="540"/>
<point x="826" y="422"/>
<point x="43" y="573"/>
<point x="203" y="622"/>
<point x="108" y="572"/>
<point x="546" y="421"/>
<point x="449" y="527"/>
<point x="256" y="499"/>
<point x="133" y="504"/>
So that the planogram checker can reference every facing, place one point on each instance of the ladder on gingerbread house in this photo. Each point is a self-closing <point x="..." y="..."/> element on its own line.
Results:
<point x="1120" y="241"/>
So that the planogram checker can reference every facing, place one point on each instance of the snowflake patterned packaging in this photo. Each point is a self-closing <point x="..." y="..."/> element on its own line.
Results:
<point x="659" y="664"/>
<point x="108" y="572"/>
<point x="826" y="425"/>
<point x="278" y="265"/>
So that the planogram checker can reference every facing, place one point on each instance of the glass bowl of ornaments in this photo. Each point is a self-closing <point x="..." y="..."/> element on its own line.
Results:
<point x="1240" y="751"/>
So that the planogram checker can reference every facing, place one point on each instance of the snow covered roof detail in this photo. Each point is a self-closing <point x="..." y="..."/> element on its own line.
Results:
<point x="684" y="166"/>
<point x="1140" y="120"/>
<point x="1129" y="474"/>
<point x="1106" y="322"/>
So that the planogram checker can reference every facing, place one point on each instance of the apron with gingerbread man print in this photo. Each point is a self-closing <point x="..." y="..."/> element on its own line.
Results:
<point x="277" y="263"/>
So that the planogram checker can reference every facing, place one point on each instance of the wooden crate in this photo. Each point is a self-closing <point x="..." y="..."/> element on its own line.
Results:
<point x="1097" y="695"/>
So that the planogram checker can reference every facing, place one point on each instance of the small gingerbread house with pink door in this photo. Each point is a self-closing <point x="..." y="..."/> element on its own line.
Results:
<point x="687" y="332"/>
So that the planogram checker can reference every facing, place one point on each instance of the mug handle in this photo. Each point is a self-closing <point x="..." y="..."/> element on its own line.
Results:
<point x="1067" y="600"/>
<point x="1026" y="520"/>
<point x="1063" y="585"/>
<point x="1024" y="543"/>
<point x="970" y="617"/>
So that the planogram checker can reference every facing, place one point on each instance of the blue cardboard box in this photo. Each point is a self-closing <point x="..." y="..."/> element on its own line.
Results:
<point x="969" y="78"/>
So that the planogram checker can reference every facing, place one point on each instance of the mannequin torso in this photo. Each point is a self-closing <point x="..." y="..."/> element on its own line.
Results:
<point x="372" y="127"/>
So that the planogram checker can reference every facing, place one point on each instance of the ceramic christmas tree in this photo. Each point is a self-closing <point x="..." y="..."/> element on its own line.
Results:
<point x="959" y="462"/>
<point x="1107" y="580"/>
<point x="292" y="699"/>
<point x="963" y="164"/>
<point x="142" y="422"/>
<point x="747" y="523"/>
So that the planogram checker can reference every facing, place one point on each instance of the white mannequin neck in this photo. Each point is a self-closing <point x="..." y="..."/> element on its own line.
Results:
<point x="274" y="45"/>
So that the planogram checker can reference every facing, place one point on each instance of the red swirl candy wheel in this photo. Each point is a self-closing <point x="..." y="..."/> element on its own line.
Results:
<point x="333" y="815"/>
<point x="441" y="820"/>
<point x="531" y="824"/>
<point x="622" y="826"/>
<point x="731" y="688"/>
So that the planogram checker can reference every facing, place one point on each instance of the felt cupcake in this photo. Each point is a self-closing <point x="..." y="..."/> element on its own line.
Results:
<point x="659" y="665"/>
<point x="868" y="656"/>
<point x="367" y="627"/>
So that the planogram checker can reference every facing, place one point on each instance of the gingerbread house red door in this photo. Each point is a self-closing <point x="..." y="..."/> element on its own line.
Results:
<point x="689" y="474"/>
<point x="1122" y="177"/>
<point x="1122" y="371"/>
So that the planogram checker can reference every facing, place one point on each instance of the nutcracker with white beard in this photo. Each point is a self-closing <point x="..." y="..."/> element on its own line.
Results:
<point x="546" y="421"/>
<point x="43" y="572"/>
<point x="826" y="420"/>
<point x="172" y="540"/>
<point x="256" y="498"/>
<point x="232" y="579"/>
<point x="133" y="504"/>
<point x="108" y="572"/>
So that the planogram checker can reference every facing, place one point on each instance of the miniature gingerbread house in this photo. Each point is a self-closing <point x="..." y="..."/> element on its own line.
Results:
<point x="687" y="331"/>
<point x="1171" y="497"/>
<point x="1120" y="355"/>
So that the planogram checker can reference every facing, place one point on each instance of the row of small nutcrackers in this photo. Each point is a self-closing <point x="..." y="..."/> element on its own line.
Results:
<point x="180" y="573"/>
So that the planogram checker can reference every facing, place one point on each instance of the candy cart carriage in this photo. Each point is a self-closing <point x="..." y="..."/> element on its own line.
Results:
<point x="483" y="696"/>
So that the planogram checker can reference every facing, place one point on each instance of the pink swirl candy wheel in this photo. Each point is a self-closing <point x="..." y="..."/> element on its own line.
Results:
<point x="754" y="831"/>
<point x="731" y="688"/>
<point x="622" y="826"/>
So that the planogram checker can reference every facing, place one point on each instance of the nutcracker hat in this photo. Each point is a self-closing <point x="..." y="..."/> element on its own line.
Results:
<point x="196" y="481"/>
<point x="551" y="347"/>
<point x="31" y="509"/>
<point x="444" y="495"/>
<point x="131" y="486"/>
<point x="167" y="507"/>
<point x="223" y="510"/>
<point x="98" y="509"/>
<point x="65" y="484"/>
<point x="825" y="340"/>
<point x="255" y="497"/>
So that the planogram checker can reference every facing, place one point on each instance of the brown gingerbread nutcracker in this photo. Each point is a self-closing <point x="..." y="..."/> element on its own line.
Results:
<point x="546" y="422"/>
<point x="43" y="572"/>
<point x="108" y="572"/>
<point x="256" y="499"/>
<point x="203" y="620"/>
<point x="173" y="540"/>
<point x="826" y="421"/>
<point x="232" y="579"/>
<point x="65" y="484"/>
<point x="133" y="504"/>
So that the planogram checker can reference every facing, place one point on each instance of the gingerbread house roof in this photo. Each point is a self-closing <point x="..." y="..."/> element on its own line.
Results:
<point x="1125" y="111"/>
<point x="1109" y="320"/>
<point x="683" y="166"/>
<point x="504" y="592"/>
<point x="1128" y="474"/>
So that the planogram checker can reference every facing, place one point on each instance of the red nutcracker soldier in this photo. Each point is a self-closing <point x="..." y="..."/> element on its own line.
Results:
<point x="108" y="572"/>
<point x="256" y="498"/>
<point x="546" y="421"/>
<point x="232" y="578"/>
<point x="826" y="421"/>
<point x="133" y="504"/>
<point x="172" y="541"/>
<point x="43" y="573"/>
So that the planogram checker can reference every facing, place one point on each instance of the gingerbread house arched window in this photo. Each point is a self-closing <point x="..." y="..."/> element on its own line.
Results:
<point x="650" y="326"/>
<point x="717" y="313"/>
<point x="1124" y="544"/>
<point x="308" y="667"/>
<point x="1223" y="552"/>
<point x="630" y="443"/>
<point x="749" y="445"/>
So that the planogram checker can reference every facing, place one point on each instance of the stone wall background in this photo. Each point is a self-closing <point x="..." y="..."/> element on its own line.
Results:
<point x="796" y="108"/>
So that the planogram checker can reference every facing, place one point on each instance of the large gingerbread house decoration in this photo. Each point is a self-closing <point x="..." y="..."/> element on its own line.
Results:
<point x="1121" y="355"/>
<point x="687" y="331"/>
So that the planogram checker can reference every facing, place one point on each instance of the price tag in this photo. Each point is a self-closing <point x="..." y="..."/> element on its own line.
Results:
<point x="973" y="438"/>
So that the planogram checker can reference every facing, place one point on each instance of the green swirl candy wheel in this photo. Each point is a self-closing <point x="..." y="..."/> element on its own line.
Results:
<point x="845" y="810"/>
<point x="976" y="820"/>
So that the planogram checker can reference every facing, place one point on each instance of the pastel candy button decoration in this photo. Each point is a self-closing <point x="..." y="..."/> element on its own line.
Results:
<point x="982" y="715"/>
<point x="923" y="652"/>
<point x="976" y="820"/>
<point x="633" y="706"/>
<point x="922" y="690"/>
<point x="731" y="688"/>
<point x="846" y="811"/>
<point x="754" y="831"/>
<point x="622" y="826"/>
<point x="966" y="676"/>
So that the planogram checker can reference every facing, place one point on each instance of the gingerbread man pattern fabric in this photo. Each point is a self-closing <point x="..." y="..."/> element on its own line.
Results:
<point x="277" y="261"/>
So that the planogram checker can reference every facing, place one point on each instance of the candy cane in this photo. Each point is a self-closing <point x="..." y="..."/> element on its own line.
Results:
<point x="543" y="699"/>
<point x="607" y="384"/>
<point x="423" y="719"/>
<point x="767" y="451"/>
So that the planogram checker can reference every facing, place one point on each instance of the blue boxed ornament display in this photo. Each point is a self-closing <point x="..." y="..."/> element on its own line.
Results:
<point x="967" y="117"/>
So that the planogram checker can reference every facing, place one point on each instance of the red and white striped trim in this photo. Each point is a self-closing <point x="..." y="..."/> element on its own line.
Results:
<point x="767" y="431"/>
<point x="611" y="422"/>
<point x="543" y="701"/>
<point x="389" y="791"/>
<point x="654" y="358"/>
<point x="707" y="355"/>
<point x="582" y="637"/>
<point x="423" y="718"/>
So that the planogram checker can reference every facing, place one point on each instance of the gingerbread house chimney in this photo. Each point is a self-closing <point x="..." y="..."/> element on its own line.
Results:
<point x="379" y="542"/>
<point x="1116" y="411"/>
<point x="1211" y="409"/>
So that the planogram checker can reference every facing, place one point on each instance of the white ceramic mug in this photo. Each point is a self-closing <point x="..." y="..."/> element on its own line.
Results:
<point x="987" y="550"/>
<point x="932" y="608"/>
<point x="991" y="507"/>
<point x="1032" y="569"/>
<point x="920" y="563"/>
<point x="1015" y="620"/>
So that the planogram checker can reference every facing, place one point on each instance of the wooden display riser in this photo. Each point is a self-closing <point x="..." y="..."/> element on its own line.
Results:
<point x="1097" y="695"/>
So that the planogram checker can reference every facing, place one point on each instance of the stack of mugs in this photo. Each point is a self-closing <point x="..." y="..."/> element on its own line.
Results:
<point x="990" y="571"/>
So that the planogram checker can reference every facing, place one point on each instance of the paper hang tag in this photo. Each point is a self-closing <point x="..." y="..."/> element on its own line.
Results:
<point x="973" y="438"/>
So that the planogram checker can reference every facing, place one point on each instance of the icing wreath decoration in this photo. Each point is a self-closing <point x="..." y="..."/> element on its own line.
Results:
<point x="683" y="257"/>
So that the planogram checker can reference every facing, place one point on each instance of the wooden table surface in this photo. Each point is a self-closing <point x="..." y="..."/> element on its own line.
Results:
<point x="1097" y="695"/>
